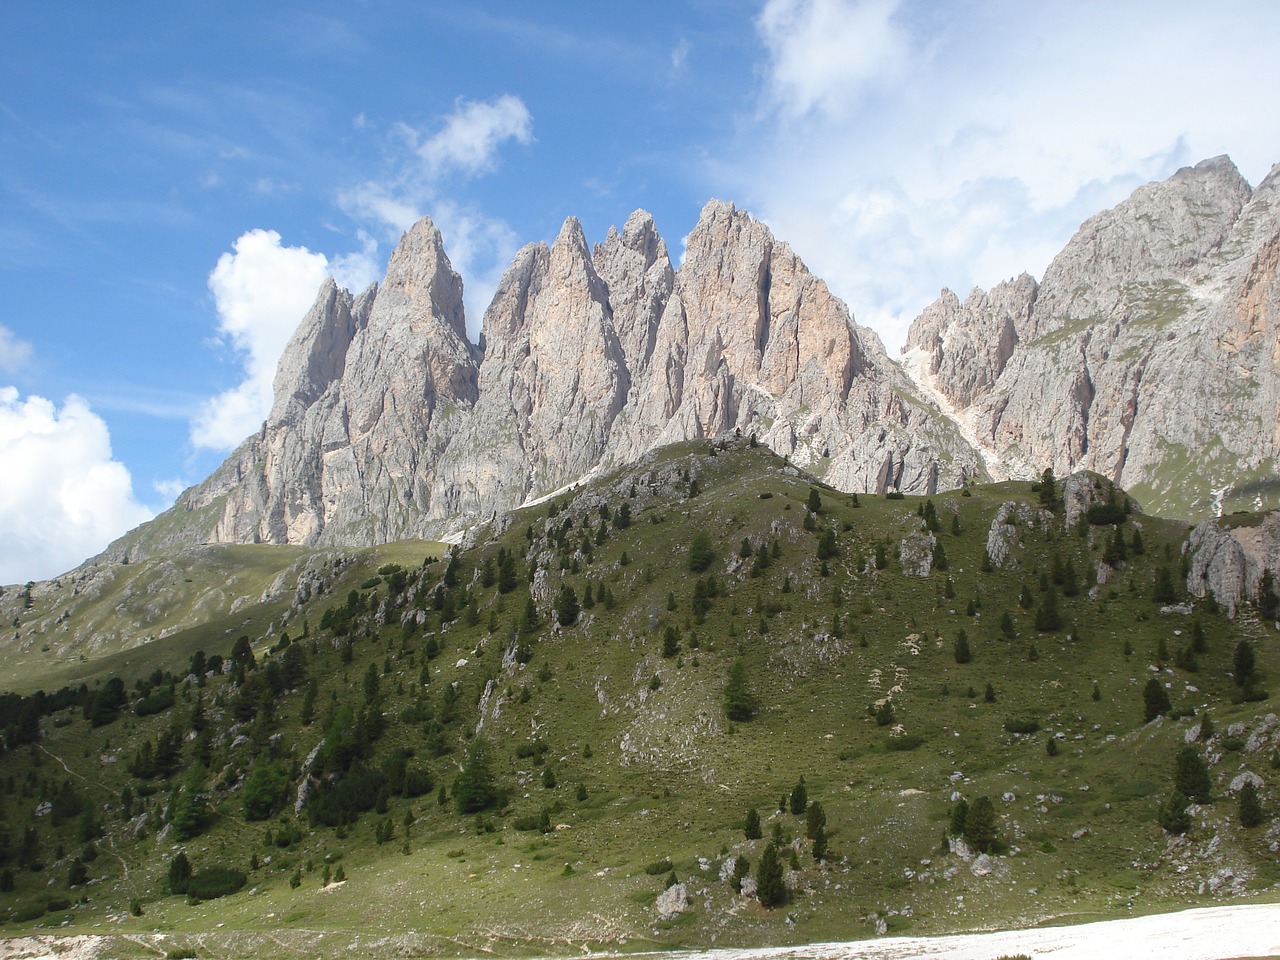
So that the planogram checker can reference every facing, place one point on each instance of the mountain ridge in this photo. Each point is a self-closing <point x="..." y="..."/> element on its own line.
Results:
<point x="1155" y="327"/>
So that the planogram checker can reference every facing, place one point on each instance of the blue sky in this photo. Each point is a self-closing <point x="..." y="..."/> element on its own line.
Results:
<point x="175" y="179"/>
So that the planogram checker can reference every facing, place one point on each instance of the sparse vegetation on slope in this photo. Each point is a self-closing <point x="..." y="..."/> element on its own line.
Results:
<point x="444" y="754"/>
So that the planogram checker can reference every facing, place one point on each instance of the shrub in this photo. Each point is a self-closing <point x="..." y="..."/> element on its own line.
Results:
<point x="904" y="743"/>
<point x="659" y="866"/>
<point x="1021" y="724"/>
<point x="213" y="882"/>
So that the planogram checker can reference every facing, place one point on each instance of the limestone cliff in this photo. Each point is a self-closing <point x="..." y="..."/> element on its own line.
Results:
<point x="388" y="424"/>
<point x="1149" y="353"/>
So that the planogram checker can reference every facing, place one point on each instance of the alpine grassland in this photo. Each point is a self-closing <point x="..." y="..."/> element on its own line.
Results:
<point x="515" y="744"/>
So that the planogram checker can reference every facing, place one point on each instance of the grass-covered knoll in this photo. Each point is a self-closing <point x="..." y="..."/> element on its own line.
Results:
<point x="515" y="748"/>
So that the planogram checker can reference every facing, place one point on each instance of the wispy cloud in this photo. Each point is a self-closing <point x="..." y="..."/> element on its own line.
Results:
<point x="902" y="146"/>
<point x="463" y="145"/>
<point x="15" y="353"/>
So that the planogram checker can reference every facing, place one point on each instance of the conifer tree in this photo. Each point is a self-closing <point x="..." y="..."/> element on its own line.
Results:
<point x="1250" y="806"/>
<point x="1191" y="776"/>
<point x="980" y="825"/>
<point x="962" y="652"/>
<point x="751" y="829"/>
<point x="738" y="704"/>
<point x="1155" y="700"/>
<point x="473" y="788"/>
<point x="1243" y="663"/>
<point x="815" y="820"/>
<point x="1173" y="814"/>
<point x="799" y="800"/>
<point x="179" y="873"/>
<point x="770" y="888"/>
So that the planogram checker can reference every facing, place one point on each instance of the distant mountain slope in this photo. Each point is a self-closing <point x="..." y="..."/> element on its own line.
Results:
<point x="1149" y="353"/>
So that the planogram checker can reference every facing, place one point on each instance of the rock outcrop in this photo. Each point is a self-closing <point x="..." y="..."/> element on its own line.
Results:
<point x="387" y="424"/>
<point x="1149" y="353"/>
<point x="1226" y="560"/>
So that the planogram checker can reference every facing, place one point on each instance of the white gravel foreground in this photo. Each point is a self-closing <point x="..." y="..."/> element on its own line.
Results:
<point x="1213" y="933"/>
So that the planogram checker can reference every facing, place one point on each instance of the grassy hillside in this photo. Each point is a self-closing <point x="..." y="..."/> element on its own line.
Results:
<point x="613" y="760"/>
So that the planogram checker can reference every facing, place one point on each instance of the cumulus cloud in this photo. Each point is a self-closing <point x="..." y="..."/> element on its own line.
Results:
<point x="14" y="353"/>
<point x="62" y="496"/>
<point x="262" y="290"/>
<point x="957" y="145"/>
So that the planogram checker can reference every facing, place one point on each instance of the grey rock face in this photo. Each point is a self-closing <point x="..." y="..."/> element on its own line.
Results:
<point x="388" y="424"/>
<point x="1226" y="562"/>
<point x="1148" y="353"/>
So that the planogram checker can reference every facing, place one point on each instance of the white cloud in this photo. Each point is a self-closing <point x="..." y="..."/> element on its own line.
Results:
<point x="169" y="489"/>
<point x="466" y="143"/>
<point x="14" y="353"/>
<point x="62" y="496"/>
<point x="960" y="144"/>
<point x="472" y="134"/>
<point x="825" y="53"/>
<point x="262" y="292"/>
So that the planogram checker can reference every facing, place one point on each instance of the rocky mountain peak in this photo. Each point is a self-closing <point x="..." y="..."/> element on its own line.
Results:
<point x="1132" y="355"/>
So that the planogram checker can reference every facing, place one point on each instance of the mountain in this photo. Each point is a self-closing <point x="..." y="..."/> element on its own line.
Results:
<point x="1149" y="353"/>
<point x="388" y="424"/>
<point x="510" y="747"/>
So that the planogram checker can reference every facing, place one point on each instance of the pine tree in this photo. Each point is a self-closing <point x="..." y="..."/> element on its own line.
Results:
<point x="1049" y="490"/>
<point x="799" y="800"/>
<point x="1250" y="806"/>
<point x="1163" y="590"/>
<point x="670" y="642"/>
<point x="815" y="820"/>
<point x="815" y="501"/>
<point x="567" y="606"/>
<point x="989" y="695"/>
<point x="1243" y="663"/>
<point x="1048" y="619"/>
<point x="738" y="705"/>
<point x="820" y="844"/>
<point x="1116" y="552"/>
<point x="1155" y="700"/>
<point x="1191" y="776"/>
<point x="179" y="873"/>
<point x="473" y="788"/>
<point x="959" y="817"/>
<point x="980" y="825"/>
<point x="751" y="830"/>
<point x="1268" y="599"/>
<point x="1173" y="814"/>
<point x="741" y="867"/>
<point x="770" y="888"/>
<point x="962" y="652"/>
